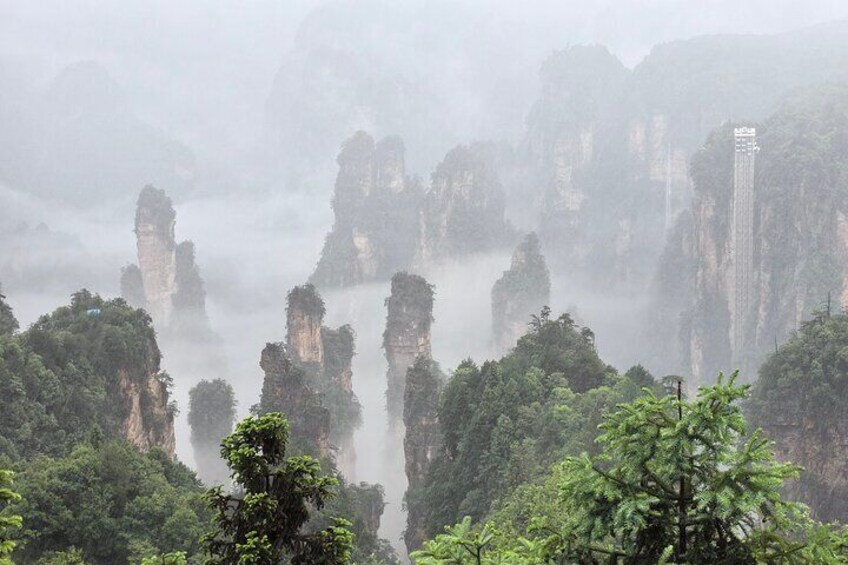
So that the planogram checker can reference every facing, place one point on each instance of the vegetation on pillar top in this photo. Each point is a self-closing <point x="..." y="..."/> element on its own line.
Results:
<point x="410" y="301"/>
<point x="156" y="207"/>
<point x="305" y="298"/>
<point x="63" y="376"/>
<point x="528" y="273"/>
<point x="212" y="411"/>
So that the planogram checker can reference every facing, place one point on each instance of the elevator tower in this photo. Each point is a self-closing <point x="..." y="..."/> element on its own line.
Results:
<point x="742" y="241"/>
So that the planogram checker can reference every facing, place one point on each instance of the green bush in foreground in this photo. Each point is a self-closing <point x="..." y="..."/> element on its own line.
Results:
<point x="676" y="481"/>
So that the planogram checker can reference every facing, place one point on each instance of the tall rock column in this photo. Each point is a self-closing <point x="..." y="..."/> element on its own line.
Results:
<point x="167" y="281"/>
<point x="286" y="389"/>
<point x="421" y="441"/>
<point x="324" y="356"/>
<point x="375" y="207"/>
<point x="407" y="335"/>
<point x="337" y="387"/>
<point x="304" y="314"/>
<point x="154" y="230"/>
<point x="463" y="211"/>
<point x="522" y="290"/>
<point x="211" y="415"/>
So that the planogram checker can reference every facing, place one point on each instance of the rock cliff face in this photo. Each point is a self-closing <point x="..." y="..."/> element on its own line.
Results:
<point x="800" y="248"/>
<point x="149" y="419"/>
<point x="463" y="211"/>
<point x="578" y="86"/>
<point x="321" y="359"/>
<point x="799" y="401"/>
<point x="407" y="335"/>
<point x="154" y="231"/>
<point x="375" y="207"/>
<point x="421" y="442"/>
<point x="611" y="147"/>
<point x="304" y="315"/>
<point x="522" y="290"/>
<point x="94" y="364"/>
<point x="337" y="388"/>
<point x="286" y="389"/>
<point x="671" y="300"/>
<point x="166" y="282"/>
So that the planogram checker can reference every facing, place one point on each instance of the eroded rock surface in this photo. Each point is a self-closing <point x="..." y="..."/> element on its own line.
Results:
<point x="375" y="207"/>
<point x="407" y="335"/>
<point x="421" y="442"/>
<point x="520" y="292"/>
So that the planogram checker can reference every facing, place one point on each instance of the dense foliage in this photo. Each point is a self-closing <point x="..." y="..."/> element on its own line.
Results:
<point x="211" y="415"/>
<point x="676" y="481"/>
<point x="504" y="423"/>
<point x="799" y="400"/>
<point x="8" y="323"/>
<point x="211" y="411"/>
<point x="305" y="298"/>
<point x="263" y="522"/>
<point x="109" y="502"/>
<point x="9" y="523"/>
<point x="410" y="302"/>
<point x="62" y="378"/>
<point x="155" y="206"/>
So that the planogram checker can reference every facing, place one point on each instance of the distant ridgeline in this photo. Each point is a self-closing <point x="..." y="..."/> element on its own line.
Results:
<point x="609" y="148"/>
<point x="800" y="241"/>
<point x="471" y="441"/>
<point x="386" y="222"/>
<point x="166" y="282"/>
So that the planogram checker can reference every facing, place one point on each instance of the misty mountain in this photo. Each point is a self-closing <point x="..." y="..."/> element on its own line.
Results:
<point x="77" y="139"/>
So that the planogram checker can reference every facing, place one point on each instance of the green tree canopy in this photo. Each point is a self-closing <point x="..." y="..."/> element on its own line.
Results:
<point x="211" y="411"/>
<point x="676" y="481"/>
<point x="8" y="323"/>
<point x="9" y="523"/>
<point x="110" y="502"/>
<point x="504" y="423"/>
<point x="62" y="377"/>
<point x="263" y="522"/>
<point x="799" y="400"/>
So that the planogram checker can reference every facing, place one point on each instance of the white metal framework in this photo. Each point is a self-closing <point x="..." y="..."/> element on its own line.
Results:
<point x="742" y="241"/>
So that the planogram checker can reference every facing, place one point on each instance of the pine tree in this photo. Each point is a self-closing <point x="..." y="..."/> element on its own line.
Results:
<point x="682" y="481"/>
<point x="9" y="523"/>
<point x="262" y="523"/>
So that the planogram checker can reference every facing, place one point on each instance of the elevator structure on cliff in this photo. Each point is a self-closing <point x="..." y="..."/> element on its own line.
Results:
<point x="742" y="241"/>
